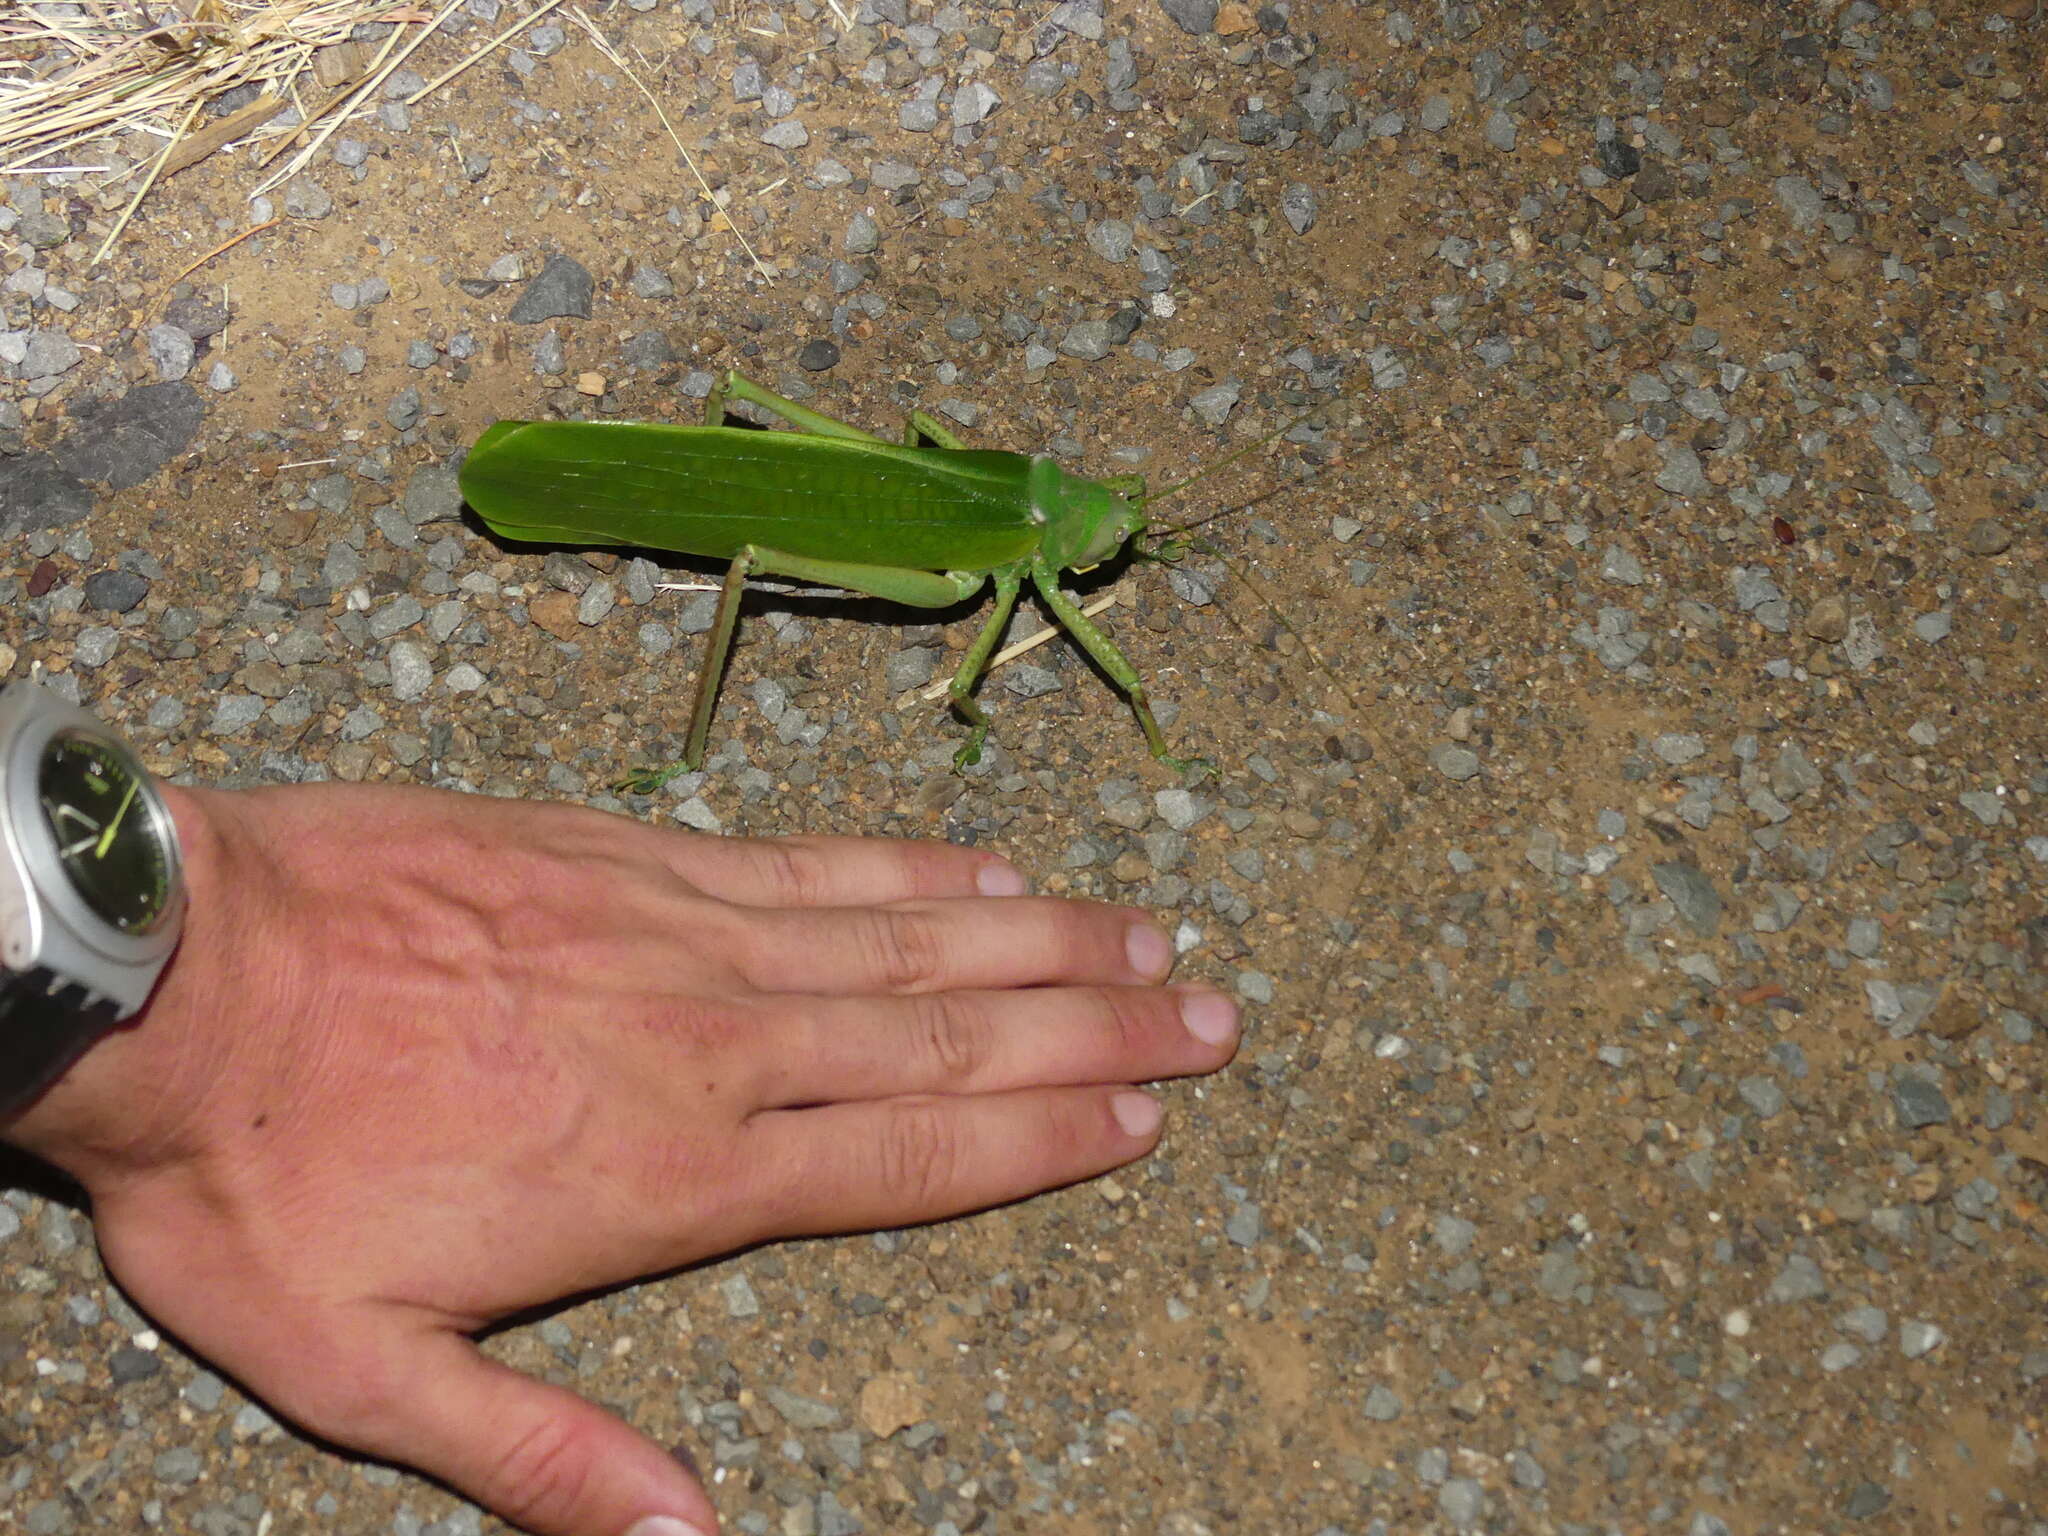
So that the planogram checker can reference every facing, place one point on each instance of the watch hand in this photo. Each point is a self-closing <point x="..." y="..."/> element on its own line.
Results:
<point x="107" y="837"/>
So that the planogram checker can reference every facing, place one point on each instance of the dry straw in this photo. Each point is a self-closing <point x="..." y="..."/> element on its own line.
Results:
<point x="73" y="72"/>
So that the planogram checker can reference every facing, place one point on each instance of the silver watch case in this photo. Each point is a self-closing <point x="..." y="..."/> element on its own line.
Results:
<point x="44" y="923"/>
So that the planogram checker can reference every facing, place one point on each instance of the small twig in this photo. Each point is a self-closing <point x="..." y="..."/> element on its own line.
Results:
<point x="1011" y="653"/>
<point x="232" y="240"/>
<point x="147" y="182"/>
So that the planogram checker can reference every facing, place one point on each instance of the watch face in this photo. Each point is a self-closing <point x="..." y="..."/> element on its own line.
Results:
<point x="108" y="830"/>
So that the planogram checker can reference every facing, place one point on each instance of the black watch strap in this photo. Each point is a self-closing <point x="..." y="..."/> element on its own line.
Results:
<point x="46" y="1023"/>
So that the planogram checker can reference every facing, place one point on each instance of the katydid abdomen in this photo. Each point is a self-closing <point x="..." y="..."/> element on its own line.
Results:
<point x="711" y="491"/>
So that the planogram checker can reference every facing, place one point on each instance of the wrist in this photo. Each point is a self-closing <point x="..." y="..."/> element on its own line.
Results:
<point x="119" y="1101"/>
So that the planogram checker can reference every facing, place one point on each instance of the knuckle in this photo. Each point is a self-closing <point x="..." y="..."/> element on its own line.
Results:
<point x="920" y="1155"/>
<point x="793" y="871"/>
<point x="541" y="1477"/>
<point x="1123" y="1019"/>
<point x="954" y="1036"/>
<point x="906" y="950"/>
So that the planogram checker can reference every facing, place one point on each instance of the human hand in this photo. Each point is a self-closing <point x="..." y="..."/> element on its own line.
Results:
<point x="424" y="1060"/>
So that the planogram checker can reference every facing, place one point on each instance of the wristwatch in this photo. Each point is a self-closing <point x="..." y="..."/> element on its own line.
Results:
<point x="92" y="891"/>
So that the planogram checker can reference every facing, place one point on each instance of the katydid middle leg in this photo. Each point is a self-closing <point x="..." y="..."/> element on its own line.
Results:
<point x="1009" y="578"/>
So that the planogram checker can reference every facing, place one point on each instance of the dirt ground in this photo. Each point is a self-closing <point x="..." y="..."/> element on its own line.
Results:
<point x="1627" y="834"/>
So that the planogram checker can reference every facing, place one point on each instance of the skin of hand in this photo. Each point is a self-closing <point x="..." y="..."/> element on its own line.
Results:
<point x="424" y="1060"/>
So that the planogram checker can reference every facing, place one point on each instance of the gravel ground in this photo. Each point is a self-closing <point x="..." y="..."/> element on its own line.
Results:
<point x="1639" y="1126"/>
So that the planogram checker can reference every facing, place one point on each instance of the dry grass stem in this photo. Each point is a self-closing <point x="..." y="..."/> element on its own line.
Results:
<point x="604" y="47"/>
<point x="497" y="42"/>
<point x="148" y="181"/>
<point x="73" y="75"/>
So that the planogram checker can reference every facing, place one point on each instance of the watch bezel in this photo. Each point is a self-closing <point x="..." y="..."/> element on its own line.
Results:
<point x="56" y="928"/>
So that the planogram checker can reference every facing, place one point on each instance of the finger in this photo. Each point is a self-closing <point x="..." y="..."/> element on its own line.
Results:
<point x="845" y="1049"/>
<point x="834" y="871"/>
<point x="854" y="1167"/>
<point x="945" y="946"/>
<point x="538" y="1456"/>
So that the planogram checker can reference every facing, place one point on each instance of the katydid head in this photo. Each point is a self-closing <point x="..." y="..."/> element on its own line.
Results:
<point x="1086" y="522"/>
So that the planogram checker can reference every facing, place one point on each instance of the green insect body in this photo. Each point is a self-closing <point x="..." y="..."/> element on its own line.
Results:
<point x="927" y="522"/>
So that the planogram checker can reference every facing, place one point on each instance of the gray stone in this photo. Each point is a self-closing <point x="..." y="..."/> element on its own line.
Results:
<point x="234" y="713"/>
<point x="395" y="616"/>
<point x="305" y="199"/>
<point x="179" y="1465"/>
<point x="1980" y="803"/>
<point x="1111" y="239"/>
<point x="170" y="350"/>
<point x="787" y="135"/>
<point x="1682" y="474"/>
<point x="433" y="495"/>
<point x="1920" y="1338"/>
<point x="1799" y="1279"/>
<point x="1799" y="198"/>
<point x="1620" y="565"/>
<point x="1763" y="1096"/>
<point x="126" y="440"/>
<point x="411" y="672"/>
<point x="973" y="102"/>
<point x="649" y="282"/>
<point x="1196" y="17"/>
<point x="1918" y="1102"/>
<point x="1692" y="893"/>
<point x="1298" y="207"/>
<point x="1245" y="1225"/>
<point x="801" y="1412"/>
<point x="596" y="603"/>
<point x="37" y="492"/>
<point x="1454" y="762"/>
<point x="910" y="668"/>
<point x="1461" y="1501"/>
<point x="114" y="591"/>
<point x="1088" y="341"/>
<point x="1382" y="1404"/>
<point x="563" y="288"/>
<point x="1987" y="536"/>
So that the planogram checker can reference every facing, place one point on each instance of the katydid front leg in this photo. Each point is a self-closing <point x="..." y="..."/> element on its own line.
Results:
<point x="1112" y="661"/>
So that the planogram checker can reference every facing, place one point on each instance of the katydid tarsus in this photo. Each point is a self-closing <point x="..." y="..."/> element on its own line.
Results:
<point x="927" y="522"/>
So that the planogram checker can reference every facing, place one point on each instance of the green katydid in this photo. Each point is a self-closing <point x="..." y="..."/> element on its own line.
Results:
<point x="927" y="523"/>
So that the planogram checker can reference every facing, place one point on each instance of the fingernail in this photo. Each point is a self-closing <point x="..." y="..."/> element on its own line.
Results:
<point x="1209" y="1016"/>
<point x="1136" y="1112"/>
<point x="1149" y="952"/>
<point x="999" y="879"/>
<point x="662" y="1525"/>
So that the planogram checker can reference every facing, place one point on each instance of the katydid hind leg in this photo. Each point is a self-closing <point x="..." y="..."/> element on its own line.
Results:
<point x="922" y="428"/>
<point x="736" y="386"/>
<point x="913" y="588"/>
<point x="710" y="672"/>
<point x="961" y="690"/>
<point x="1114" y="662"/>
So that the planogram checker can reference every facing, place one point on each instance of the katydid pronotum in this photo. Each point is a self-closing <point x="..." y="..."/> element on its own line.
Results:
<point x="927" y="522"/>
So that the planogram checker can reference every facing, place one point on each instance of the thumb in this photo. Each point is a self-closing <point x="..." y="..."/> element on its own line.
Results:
<point x="538" y="1456"/>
